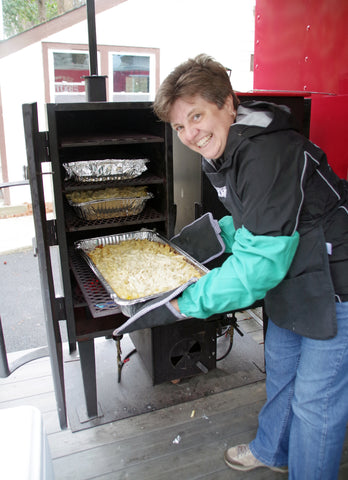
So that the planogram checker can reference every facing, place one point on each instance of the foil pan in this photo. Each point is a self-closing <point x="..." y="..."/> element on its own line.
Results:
<point x="110" y="207"/>
<point x="128" y="306"/>
<point x="105" y="170"/>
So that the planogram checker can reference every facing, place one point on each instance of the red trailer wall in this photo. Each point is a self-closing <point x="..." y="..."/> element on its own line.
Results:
<point x="302" y="46"/>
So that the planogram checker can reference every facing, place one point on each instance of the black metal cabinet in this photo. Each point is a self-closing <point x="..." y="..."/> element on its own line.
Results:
<point x="90" y="131"/>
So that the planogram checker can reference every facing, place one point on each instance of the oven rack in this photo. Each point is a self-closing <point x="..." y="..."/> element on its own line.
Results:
<point x="148" y="215"/>
<point x="91" y="140"/>
<point x="98" y="300"/>
<point x="144" y="179"/>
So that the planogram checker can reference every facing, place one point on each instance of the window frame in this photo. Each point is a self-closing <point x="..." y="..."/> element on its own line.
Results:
<point x="51" y="69"/>
<point x="104" y="65"/>
<point x="133" y="96"/>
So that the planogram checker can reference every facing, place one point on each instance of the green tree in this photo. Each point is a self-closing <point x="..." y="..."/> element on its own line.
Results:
<point x="20" y="15"/>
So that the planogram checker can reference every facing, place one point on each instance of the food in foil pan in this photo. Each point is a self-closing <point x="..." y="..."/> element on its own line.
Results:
<point x="109" y="202"/>
<point x="138" y="268"/>
<point x="106" y="170"/>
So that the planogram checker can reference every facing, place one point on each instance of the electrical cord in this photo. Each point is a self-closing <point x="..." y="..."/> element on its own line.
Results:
<point x="228" y="329"/>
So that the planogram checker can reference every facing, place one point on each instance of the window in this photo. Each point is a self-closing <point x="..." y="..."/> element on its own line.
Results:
<point x="68" y="69"/>
<point x="132" y="77"/>
<point x="131" y="74"/>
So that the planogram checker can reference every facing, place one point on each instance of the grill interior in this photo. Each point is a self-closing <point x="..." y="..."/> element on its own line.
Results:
<point x="74" y="223"/>
<point x="99" y="302"/>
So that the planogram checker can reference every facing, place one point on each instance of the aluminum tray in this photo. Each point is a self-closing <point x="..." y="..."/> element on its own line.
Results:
<point x="87" y="245"/>
<point x="110" y="207"/>
<point x="106" y="170"/>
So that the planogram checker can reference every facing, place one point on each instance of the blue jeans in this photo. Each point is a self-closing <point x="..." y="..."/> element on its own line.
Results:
<point x="303" y="422"/>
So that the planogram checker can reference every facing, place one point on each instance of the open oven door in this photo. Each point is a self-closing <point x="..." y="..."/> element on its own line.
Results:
<point x="36" y="146"/>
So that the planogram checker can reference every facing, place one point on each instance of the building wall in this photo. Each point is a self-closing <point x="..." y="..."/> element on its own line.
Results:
<point x="179" y="28"/>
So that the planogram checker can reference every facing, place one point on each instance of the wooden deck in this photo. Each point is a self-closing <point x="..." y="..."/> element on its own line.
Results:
<point x="183" y="442"/>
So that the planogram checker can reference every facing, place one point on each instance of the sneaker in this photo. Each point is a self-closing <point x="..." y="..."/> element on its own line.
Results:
<point x="241" y="458"/>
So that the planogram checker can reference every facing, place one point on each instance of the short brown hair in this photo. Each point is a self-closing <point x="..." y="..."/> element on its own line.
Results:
<point x="202" y="76"/>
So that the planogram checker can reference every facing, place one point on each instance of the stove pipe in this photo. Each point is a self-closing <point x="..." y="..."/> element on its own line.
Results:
<point x="95" y="84"/>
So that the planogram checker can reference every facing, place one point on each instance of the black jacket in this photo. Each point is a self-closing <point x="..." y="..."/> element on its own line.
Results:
<point x="275" y="182"/>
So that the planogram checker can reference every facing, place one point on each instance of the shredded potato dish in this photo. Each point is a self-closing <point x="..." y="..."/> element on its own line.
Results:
<point x="140" y="268"/>
<point x="83" y="196"/>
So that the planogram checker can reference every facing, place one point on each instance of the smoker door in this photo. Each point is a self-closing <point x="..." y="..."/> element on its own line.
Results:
<point x="36" y="146"/>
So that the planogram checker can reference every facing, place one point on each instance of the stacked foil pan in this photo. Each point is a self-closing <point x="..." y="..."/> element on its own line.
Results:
<point x="111" y="207"/>
<point x="105" y="170"/>
<point x="94" y="171"/>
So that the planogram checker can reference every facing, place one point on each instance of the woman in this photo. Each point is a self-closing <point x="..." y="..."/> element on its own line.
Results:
<point x="288" y="235"/>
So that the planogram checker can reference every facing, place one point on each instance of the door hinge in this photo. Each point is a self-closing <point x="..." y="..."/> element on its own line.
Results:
<point x="52" y="233"/>
<point x="44" y="149"/>
<point x="61" y="312"/>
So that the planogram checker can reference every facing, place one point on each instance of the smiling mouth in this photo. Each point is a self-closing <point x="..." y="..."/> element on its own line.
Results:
<point x="203" y="142"/>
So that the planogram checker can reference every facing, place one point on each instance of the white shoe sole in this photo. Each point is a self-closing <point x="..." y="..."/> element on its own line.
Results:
<point x="243" y="468"/>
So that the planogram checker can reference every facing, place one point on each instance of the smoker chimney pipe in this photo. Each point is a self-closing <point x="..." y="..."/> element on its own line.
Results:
<point x="95" y="84"/>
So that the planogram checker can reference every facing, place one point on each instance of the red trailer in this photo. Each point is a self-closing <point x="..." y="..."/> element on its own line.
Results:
<point x="302" y="46"/>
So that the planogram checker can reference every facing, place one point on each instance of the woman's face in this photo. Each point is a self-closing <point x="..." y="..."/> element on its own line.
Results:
<point x="201" y="125"/>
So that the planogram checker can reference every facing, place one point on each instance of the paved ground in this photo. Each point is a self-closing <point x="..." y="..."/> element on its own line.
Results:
<point x="21" y="307"/>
